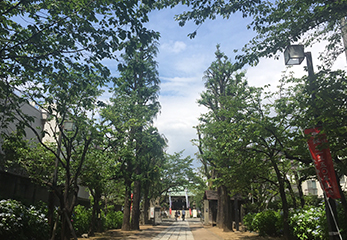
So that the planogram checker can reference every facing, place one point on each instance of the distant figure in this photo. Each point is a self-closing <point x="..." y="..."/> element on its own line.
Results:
<point x="176" y="215"/>
<point x="183" y="214"/>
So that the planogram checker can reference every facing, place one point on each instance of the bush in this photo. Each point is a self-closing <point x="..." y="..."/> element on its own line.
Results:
<point x="81" y="219"/>
<point x="20" y="222"/>
<point x="308" y="223"/>
<point x="248" y="221"/>
<point x="268" y="223"/>
<point x="113" y="219"/>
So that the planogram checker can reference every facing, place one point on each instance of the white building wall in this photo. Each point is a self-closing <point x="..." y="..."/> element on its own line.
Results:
<point x="313" y="187"/>
<point x="37" y="123"/>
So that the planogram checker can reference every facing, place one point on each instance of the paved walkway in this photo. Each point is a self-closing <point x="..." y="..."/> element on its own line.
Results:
<point x="179" y="230"/>
<point x="169" y="229"/>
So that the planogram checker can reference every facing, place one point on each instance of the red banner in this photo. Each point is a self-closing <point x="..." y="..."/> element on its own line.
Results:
<point x="323" y="162"/>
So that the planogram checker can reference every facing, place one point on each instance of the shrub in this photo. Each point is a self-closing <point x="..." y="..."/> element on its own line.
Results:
<point x="248" y="221"/>
<point x="81" y="219"/>
<point x="268" y="223"/>
<point x="20" y="222"/>
<point x="307" y="223"/>
<point x="113" y="219"/>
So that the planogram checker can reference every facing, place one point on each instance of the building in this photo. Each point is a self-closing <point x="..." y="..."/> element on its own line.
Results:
<point x="210" y="210"/>
<point x="313" y="187"/>
<point x="15" y="182"/>
<point x="210" y="207"/>
<point x="179" y="202"/>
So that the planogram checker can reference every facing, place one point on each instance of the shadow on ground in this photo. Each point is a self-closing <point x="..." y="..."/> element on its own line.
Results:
<point x="145" y="232"/>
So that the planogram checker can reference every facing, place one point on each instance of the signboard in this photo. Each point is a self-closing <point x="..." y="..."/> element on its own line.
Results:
<point x="321" y="156"/>
<point x="151" y="212"/>
<point x="195" y="213"/>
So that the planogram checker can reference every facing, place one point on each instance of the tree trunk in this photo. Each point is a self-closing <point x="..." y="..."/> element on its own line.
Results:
<point x="146" y="204"/>
<point x="92" y="225"/>
<point x="135" y="216"/>
<point x="223" y="215"/>
<point x="95" y="225"/>
<point x="220" y="208"/>
<point x="67" y="205"/>
<point x="292" y="194"/>
<point x="299" y="186"/>
<point x="126" y="212"/>
<point x="286" y="229"/>
<point x="226" y="222"/>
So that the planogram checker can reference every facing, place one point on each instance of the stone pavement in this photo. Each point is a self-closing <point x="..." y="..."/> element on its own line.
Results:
<point x="169" y="229"/>
<point x="177" y="231"/>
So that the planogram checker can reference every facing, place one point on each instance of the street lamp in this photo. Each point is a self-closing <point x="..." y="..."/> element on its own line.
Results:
<point x="294" y="55"/>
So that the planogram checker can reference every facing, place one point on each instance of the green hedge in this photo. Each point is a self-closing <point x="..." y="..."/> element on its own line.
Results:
<point x="113" y="219"/>
<point x="82" y="217"/>
<point x="18" y="221"/>
<point x="267" y="223"/>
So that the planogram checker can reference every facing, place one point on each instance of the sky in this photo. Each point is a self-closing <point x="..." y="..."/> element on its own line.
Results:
<point x="182" y="62"/>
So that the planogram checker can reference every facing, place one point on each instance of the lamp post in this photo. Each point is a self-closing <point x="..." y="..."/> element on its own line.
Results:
<point x="294" y="55"/>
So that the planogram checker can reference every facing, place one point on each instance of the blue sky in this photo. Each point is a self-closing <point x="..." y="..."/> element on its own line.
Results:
<point x="182" y="62"/>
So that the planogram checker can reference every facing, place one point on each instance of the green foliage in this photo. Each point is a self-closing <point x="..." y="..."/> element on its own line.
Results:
<point x="20" y="222"/>
<point x="113" y="219"/>
<point x="276" y="23"/>
<point x="309" y="223"/>
<point x="81" y="219"/>
<point x="312" y="200"/>
<point x="342" y="220"/>
<point x="82" y="216"/>
<point x="248" y="221"/>
<point x="267" y="223"/>
<point x="176" y="172"/>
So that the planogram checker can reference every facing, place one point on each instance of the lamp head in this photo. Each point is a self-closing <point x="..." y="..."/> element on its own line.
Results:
<point x="69" y="125"/>
<point x="294" y="54"/>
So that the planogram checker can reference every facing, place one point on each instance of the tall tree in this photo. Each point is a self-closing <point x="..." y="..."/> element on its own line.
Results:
<point x="225" y="96"/>
<point x="137" y="92"/>
<point x="153" y="145"/>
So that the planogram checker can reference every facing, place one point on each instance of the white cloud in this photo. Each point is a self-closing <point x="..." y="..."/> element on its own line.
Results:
<point x="173" y="47"/>
<point x="178" y="116"/>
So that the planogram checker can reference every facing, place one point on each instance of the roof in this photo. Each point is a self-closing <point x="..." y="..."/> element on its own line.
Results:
<point x="211" y="195"/>
<point x="180" y="193"/>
